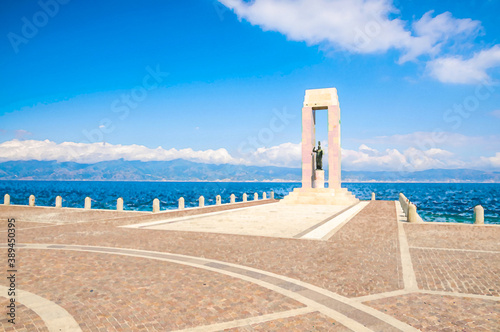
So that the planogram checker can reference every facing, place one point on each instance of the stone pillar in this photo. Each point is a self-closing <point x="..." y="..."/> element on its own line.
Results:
<point x="245" y="197"/>
<point x="181" y="203"/>
<point x="233" y="198"/>
<point x="119" y="204"/>
<point x="373" y="196"/>
<point x="88" y="203"/>
<point x="272" y="195"/>
<point x="156" y="205"/>
<point x="412" y="213"/>
<point x="255" y="197"/>
<point x="32" y="200"/>
<point x="478" y="214"/>
<point x="202" y="201"/>
<point x="334" y="152"/>
<point x="58" y="202"/>
<point x="264" y="195"/>
<point x="307" y="147"/>
<point x="6" y="199"/>
<point x="218" y="200"/>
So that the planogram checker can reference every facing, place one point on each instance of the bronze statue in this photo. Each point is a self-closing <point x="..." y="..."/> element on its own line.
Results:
<point x="319" y="156"/>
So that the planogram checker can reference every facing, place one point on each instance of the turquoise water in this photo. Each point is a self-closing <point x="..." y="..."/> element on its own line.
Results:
<point x="445" y="202"/>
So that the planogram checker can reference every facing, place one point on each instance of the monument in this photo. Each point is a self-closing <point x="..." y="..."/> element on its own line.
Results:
<point x="313" y="189"/>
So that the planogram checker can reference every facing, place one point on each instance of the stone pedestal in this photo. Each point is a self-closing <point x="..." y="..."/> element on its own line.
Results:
<point x="319" y="179"/>
<point x="320" y="196"/>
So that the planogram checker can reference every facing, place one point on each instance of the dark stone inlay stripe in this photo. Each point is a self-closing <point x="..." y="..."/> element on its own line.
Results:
<point x="364" y="318"/>
<point x="301" y="234"/>
<point x="217" y="265"/>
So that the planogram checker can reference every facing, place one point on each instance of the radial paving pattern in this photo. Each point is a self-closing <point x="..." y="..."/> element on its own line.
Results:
<point x="109" y="278"/>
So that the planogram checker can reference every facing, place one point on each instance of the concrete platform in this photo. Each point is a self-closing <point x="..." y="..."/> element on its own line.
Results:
<point x="274" y="220"/>
<point x="374" y="273"/>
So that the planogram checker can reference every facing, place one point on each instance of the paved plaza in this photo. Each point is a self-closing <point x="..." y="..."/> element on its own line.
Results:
<point x="262" y="266"/>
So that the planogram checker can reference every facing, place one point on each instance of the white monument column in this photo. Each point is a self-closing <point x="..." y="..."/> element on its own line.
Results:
<point x="312" y="190"/>
<point x="307" y="147"/>
<point x="334" y="151"/>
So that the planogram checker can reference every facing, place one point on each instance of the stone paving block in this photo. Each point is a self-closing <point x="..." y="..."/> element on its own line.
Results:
<point x="457" y="271"/>
<point x="26" y="319"/>
<point x="141" y="293"/>
<point x="442" y="313"/>
<point x="314" y="321"/>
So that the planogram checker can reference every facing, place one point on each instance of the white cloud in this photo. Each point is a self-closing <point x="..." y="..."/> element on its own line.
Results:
<point x="491" y="162"/>
<point x="95" y="152"/>
<point x="456" y="69"/>
<point x="358" y="26"/>
<point x="286" y="154"/>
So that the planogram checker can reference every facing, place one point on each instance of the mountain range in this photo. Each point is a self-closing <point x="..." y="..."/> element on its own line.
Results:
<point x="182" y="170"/>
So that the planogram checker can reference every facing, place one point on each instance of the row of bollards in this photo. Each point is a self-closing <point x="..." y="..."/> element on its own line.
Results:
<point x="410" y="211"/>
<point x="156" y="201"/>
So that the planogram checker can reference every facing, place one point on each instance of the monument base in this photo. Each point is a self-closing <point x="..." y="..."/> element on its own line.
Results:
<point x="319" y="180"/>
<point x="320" y="196"/>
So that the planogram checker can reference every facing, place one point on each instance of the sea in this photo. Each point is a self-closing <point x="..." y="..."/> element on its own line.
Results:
<point x="436" y="202"/>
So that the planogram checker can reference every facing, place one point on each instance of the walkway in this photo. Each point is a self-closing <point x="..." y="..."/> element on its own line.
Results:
<point x="372" y="273"/>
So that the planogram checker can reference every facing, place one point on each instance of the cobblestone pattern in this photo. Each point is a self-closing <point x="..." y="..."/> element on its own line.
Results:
<point x="457" y="271"/>
<point x="111" y="292"/>
<point x="368" y="248"/>
<point x="26" y="319"/>
<point x="455" y="236"/>
<point x="442" y="313"/>
<point x="362" y="258"/>
<point x="310" y="322"/>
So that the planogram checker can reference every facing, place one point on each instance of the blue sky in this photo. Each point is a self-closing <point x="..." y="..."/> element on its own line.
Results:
<point x="224" y="81"/>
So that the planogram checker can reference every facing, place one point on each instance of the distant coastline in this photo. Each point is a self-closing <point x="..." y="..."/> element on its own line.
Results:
<point x="186" y="171"/>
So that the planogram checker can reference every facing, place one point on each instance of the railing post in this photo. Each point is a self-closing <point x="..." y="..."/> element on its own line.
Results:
<point x="218" y="200"/>
<point x="32" y="200"/>
<point x="58" y="202"/>
<point x="156" y="205"/>
<point x="272" y="195"/>
<point x="181" y="203"/>
<point x="255" y="197"/>
<point x="119" y="204"/>
<point x="202" y="201"/>
<point x="245" y="197"/>
<point x="6" y="199"/>
<point x="412" y="213"/>
<point x="233" y="198"/>
<point x="88" y="203"/>
<point x="478" y="214"/>
<point x="264" y="195"/>
<point x="373" y="196"/>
